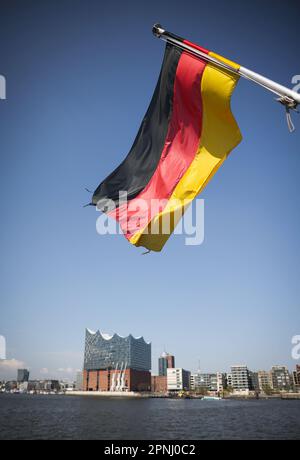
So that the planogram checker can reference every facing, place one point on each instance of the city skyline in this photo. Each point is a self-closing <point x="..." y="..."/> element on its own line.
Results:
<point x="74" y="101"/>
<point x="70" y="373"/>
<point x="114" y="378"/>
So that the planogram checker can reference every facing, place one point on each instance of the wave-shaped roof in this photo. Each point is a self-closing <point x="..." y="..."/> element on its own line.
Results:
<point x="106" y="336"/>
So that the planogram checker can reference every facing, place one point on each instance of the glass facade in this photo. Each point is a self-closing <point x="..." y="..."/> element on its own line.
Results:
<point x="166" y="361"/>
<point x="111" y="352"/>
<point x="23" y="375"/>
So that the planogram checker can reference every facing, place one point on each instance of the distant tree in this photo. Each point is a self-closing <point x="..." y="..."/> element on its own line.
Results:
<point x="228" y="389"/>
<point x="202" y="391"/>
<point x="267" y="390"/>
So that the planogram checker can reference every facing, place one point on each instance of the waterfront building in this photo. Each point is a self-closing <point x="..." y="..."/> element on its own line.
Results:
<point x="195" y="381"/>
<point x="296" y="379"/>
<point x="264" y="380"/>
<point x="193" y="378"/>
<point x="23" y="375"/>
<point x="221" y="382"/>
<point x="201" y="381"/>
<point x="67" y="386"/>
<point x="298" y="373"/>
<point x="159" y="384"/>
<point x="43" y="386"/>
<point x="253" y="381"/>
<point x="165" y="361"/>
<point x="11" y="385"/>
<point x="213" y="382"/>
<point x="115" y="363"/>
<point x="50" y="385"/>
<point x="240" y="378"/>
<point x="178" y="379"/>
<point x="79" y="381"/>
<point x="281" y="379"/>
<point x="229" y="380"/>
<point x="23" y="387"/>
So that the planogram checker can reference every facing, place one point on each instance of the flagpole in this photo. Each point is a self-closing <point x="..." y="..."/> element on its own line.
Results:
<point x="287" y="97"/>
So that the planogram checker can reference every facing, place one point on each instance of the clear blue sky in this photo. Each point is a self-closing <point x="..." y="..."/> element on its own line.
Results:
<point x="80" y="76"/>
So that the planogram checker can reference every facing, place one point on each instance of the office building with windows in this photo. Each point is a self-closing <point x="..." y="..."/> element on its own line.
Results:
<point x="240" y="380"/>
<point x="297" y="374"/>
<point x="264" y="380"/>
<point x="165" y="361"/>
<point x="281" y="379"/>
<point x="79" y="381"/>
<point x="221" y="382"/>
<point x="201" y="381"/>
<point x="228" y="380"/>
<point x="253" y="381"/>
<point x="178" y="379"/>
<point x="23" y="375"/>
<point x="296" y="379"/>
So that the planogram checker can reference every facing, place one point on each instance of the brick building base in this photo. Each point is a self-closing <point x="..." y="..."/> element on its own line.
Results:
<point x="159" y="384"/>
<point x="101" y="380"/>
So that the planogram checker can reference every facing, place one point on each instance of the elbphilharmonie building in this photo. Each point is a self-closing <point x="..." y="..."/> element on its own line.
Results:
<point x="116" y="363"/>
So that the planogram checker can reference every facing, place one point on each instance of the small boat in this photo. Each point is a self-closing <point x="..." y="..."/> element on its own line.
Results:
<point x="211" y="398"/>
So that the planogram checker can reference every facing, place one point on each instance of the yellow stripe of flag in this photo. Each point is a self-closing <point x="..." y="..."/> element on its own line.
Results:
<point x="220" y="134"/>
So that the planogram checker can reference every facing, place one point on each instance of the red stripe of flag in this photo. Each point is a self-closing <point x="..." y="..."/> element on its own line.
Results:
<point x="197" y="47"/>
<point x="178" y="152"/>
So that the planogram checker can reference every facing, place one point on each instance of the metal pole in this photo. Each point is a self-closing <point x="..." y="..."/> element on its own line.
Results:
<point x="287" y="96"/>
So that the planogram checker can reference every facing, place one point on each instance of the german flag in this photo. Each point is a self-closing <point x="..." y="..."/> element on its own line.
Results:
<point x="187" y="133"/>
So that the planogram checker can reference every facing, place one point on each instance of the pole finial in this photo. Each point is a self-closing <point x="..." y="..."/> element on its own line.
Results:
<point x="157" y="30"/>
